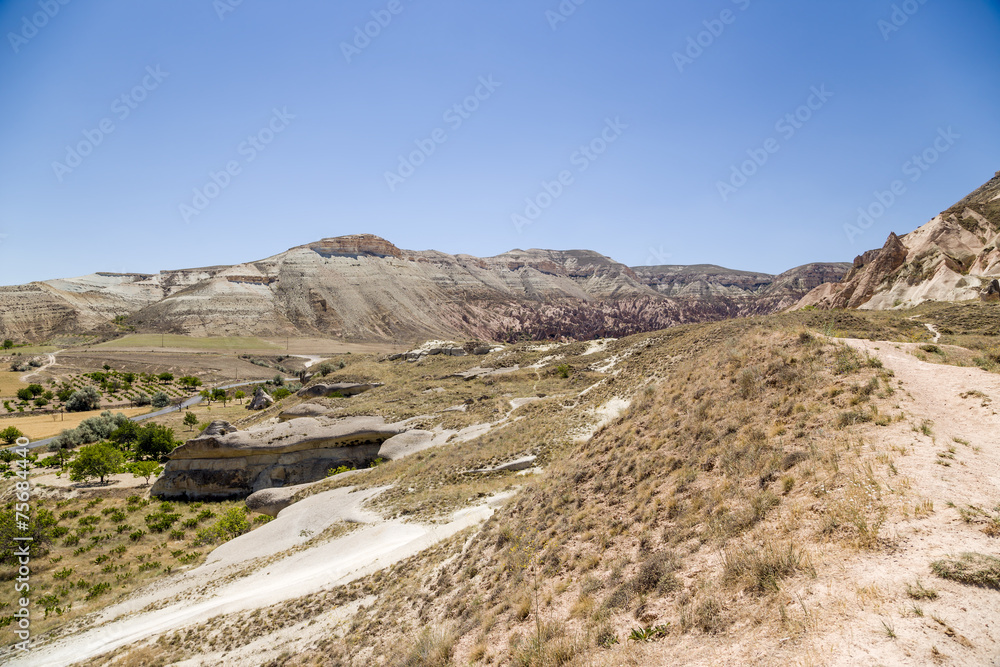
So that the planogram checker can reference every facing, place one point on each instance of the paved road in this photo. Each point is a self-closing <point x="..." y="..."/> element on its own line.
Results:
<point x="194" y="400"/>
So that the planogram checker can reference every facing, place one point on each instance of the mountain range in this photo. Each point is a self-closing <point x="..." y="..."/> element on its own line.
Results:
<point x="362" y="287"/>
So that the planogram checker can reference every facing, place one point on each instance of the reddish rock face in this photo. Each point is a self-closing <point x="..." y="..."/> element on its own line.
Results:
<point x="866" y="281"/>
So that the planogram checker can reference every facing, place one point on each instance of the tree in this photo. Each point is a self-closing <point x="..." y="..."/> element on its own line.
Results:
<point x="48" y="395"/>
<point x="126" y="434"/>
<point x="129" y="378"/>
<point x="25" y="394"/>
<point x="166" y="377"/>
<point x="41" y="402"/>
<point x="98" y="460"/>
<point x="83" y="400"/>
<point x="64" y="394"/>
<point x="144" y="469"/>
<point x="8" y="343"/>
<point x="240" y="395"/>
<point x="220" y="395"/>
<point x="154" y="441"/>
<point x="206" y="395"/>
<point x="36" y="389"/>
<point x="141" y="400"/>
<point x="190" y="381"/>
<point x="277" y="381"/>
<point x="160" y="399"/>
<point x="11" y="434"/>
<point x="39" y="528"/>
<point x="190" y="420"/>
<point x="106" y="367"/>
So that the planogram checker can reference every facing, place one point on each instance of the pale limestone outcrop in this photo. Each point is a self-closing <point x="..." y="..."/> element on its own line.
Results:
<point x="327" y="389"/>
<point x="261" y="400"/>
<point x="235" y="464"/>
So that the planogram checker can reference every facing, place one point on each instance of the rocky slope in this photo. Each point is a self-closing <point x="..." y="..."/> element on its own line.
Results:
<point x="954" y="257"/>
<point x="362" y="287"/>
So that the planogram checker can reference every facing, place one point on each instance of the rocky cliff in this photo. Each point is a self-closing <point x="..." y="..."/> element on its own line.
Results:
<point x="954" y="257"/>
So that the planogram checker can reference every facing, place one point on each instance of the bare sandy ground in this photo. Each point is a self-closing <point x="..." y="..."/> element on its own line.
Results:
<point x="250" y="572"/>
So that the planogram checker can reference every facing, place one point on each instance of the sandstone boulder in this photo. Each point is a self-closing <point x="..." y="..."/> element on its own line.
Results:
<point x="271" y="501"/>
<point x="305" y="410"/>
<point x="325" y="390"/>
<point x="992" y="291"/>
<point x="218" y="427"/>
<point x="261" y="400"/>
<point x="238" y="463"/>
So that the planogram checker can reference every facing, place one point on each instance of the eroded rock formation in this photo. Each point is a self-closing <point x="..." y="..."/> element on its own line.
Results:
<point x="222" y="463"/>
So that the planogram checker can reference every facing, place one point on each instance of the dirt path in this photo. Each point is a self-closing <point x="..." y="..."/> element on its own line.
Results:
<point x="874" y="620"/>
<point x="50" y="361"/>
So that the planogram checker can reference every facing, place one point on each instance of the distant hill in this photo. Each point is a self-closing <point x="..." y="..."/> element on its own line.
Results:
<point x="363" y="288"/>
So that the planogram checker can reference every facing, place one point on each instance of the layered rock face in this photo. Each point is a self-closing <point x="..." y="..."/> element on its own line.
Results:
<point x="954" y="257"/>
<point x="223" y="463"/>
<point x="363" y="288"/>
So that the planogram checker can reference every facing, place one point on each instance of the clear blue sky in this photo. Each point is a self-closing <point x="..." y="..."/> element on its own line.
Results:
<point x="651" y="197"/>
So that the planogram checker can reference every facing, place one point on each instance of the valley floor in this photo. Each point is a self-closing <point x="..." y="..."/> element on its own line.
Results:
<point x="881" y="606"/>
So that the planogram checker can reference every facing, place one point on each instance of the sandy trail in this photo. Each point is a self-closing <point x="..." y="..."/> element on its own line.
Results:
<point x="311" y="359"/>
<point x="868" y="594"/>
<point x="254" y="575"/>
<point x="49" y="361"/>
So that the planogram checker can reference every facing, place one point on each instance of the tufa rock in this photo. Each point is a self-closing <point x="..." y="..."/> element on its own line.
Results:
<point x="236" y="464"/>
<point x="305" y="410"/>
<point x="325" y="390"/>
<point x="261" y="400"/>
<point x="992" y="292"/>
<point x="218" y="427"/>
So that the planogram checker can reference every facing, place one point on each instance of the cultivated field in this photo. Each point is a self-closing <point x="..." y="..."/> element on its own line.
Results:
<point x="10" y="382"/>
<point x="38" y="427"/>
<point x="179" y="342"/>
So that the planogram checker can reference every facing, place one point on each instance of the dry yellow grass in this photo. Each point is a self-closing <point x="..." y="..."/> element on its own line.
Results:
<point x="38" y="427"/>
<point x="10" y="382"/>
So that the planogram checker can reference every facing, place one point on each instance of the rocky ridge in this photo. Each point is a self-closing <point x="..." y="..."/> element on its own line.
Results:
<point x="954" y="257"/>
<point x="363" y="288"/>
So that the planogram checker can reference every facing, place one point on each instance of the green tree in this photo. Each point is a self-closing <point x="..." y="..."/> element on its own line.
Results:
<point x="190" y="381"/>
<point x="64" y="394"/>
<point x="98" y="460"/>
<point x="25" y="394"/>
<point x="41" y="402"/>
<point x="126" y="434"/>
<point x="166" y="377"/>
<point x="36" y="389"/>
<point x="129" y="378"/>
<point x="190" y="420"/>
<point x="83" y="400"/>
<point x="8" y="343"/>
<point x="220" y="395"/>
<point x="240" y="395"/>
<point x="39" y="529"/>
<point x="154" y="441"/>
<point x="11" y="434"/>
<point x="48" y="395"/>
<point x="144" y="469"/>
<point x="160" y="400"/>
